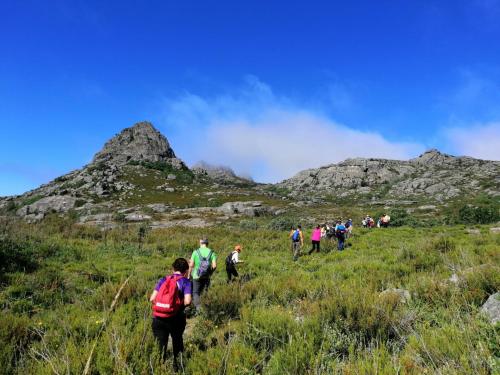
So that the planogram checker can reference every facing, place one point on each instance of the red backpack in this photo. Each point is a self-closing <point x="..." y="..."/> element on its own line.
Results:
<point x="168" y="301"/>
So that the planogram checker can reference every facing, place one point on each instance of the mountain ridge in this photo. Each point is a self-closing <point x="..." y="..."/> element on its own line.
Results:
<point x="139" y="167"/>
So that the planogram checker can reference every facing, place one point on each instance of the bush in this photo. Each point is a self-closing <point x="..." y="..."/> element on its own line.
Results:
<point x="15" y="256"/>
<point x="281" y="223"/>
<point x="249" y="224"/>
<point x="478" y="215"/>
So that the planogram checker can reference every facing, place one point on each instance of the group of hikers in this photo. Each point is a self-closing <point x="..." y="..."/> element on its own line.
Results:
<point x="190" y="278"/>
<point x="173" y="293"/>
<point x="339" y="231"/>
<point x="382" y="222"/>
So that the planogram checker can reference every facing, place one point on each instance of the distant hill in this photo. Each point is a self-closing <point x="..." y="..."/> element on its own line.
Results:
<point x="433" y="176"/>
<point x="137" y="176"/>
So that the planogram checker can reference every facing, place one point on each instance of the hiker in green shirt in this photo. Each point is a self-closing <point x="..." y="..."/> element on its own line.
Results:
<point x="202" y="264"/>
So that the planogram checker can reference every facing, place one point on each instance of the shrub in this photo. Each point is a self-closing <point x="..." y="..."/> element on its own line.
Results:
<point x="15" y="256"/>
<point x="249" y="224"/>
<point x="281" y="223"/>
<point x="478" y="215"/>
<point x="223" y="303"/>
<point x="15" y="337"/>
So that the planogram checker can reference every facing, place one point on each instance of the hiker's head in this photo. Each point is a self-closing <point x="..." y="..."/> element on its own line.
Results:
<point x="299" y="226"/>
<point x="180" y="265"/>
<point x="238" y="248"/>
<point x="317" y="226"/>
<point x="204" y="241"/>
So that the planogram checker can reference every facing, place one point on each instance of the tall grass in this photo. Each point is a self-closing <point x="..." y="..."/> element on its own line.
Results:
<point x="322" y="314"/>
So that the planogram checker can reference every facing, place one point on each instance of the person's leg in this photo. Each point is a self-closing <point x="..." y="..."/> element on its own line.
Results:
<point x="312" y="247"/>
<point x="160" y="332"/>
<point x="341" y="243"/>
<point x="235" y="272"/>
<point x="178" y="325"/>
<point x="196" y="294"/>
<point x="296" y="249"/>
<point x="317" y="246"/>
<point x="229" y="274"/>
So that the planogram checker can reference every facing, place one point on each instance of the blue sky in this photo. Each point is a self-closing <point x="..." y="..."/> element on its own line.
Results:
<point x="266" y="87"/>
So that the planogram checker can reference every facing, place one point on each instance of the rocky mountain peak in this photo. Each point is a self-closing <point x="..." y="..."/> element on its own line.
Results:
<point x="139" y="143"/>
<point x="218" y="172"/>
<point x="432" y="156"/>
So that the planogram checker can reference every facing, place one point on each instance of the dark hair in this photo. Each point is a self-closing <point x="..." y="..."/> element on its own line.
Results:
<point x="317" y="226"/>
<point x="181" y="265"/>
<point x="299" y="226"/>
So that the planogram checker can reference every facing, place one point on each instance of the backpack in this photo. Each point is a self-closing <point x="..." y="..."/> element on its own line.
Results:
<point x="296" y="236"/>
<point x="205" y="265"/>
<point x="168" y="301"/>
<point x="340" y="229"/>
<point x="229" y="259"/>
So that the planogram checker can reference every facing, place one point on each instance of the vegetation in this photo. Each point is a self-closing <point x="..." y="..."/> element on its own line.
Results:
<point x="322" y="314"/>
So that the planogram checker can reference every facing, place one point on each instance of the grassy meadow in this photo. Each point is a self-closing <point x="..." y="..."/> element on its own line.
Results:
<point x="323" y="314"/>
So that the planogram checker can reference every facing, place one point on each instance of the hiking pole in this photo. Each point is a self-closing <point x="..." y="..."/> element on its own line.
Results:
<point x="103" y="326"/>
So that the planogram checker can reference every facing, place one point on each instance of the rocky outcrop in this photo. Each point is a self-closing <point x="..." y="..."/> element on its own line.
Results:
<point x="433" y="174"/>
<point x="491" y="308"/>
<point x="41" y="207"/>
<point x="139" y="143"/>
<point x="252" y="209"/>
<point x="102" y="178"/>
<point x="221" y="174"/>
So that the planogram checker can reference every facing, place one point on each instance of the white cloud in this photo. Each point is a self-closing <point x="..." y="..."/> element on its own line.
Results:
<point x="481" y="141"/>
<point x="267" y="136"/>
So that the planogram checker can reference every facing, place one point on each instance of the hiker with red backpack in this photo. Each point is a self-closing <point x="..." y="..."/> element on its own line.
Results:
<point x="202" y="264"/>
<point x="231" y="260"/>
<point x="169" y="299"/>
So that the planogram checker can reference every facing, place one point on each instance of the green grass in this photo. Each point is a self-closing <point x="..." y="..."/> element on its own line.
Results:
<point x="322" y="314"/>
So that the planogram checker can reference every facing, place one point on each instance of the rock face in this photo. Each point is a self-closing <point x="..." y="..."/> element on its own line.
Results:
<point x="252" y="209"/>
<point x="433" y="174"/>
<point x="220" y="174"/>
<point x="101" y="178"/>
<point x="491" y="308"/>
<point x="139" y="143"/>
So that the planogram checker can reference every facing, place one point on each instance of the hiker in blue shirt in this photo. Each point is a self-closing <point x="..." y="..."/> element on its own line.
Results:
<point x="340" y="234"/>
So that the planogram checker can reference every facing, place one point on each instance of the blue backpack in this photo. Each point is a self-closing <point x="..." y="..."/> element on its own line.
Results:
<point x="296" y="235"/>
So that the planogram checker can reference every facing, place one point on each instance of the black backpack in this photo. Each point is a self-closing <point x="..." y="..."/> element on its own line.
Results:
<point x="229" y="259"/>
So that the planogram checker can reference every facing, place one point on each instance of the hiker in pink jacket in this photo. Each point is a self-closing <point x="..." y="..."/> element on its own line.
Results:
<point x="315" y="239"/>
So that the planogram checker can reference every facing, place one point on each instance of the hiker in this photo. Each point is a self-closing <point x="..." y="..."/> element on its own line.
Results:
<point x="348" y="227"/>
<point x="297" y="241"/>
<point x="202" y="264"/>
<point x="231" y="260"/>
<point x="384" y="220"/>
<point x="340" y="234"/>
<point x="323" y="231"/>
<point x="169" y="298"/>
<point x="315" y="239"/>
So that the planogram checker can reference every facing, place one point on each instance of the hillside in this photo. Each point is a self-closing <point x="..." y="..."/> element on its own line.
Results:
<point x="432" y="176"/>
<point x="137" y="177"/>
<point x="397" y="301"/>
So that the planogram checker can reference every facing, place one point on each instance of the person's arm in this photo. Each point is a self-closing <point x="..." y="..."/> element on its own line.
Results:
<point x="187" y="299"/>
<point x="191" y="266"/>
<point x="301" y="238"/>
<point x="153" y="296"/>
<point x="214" y="262"/>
